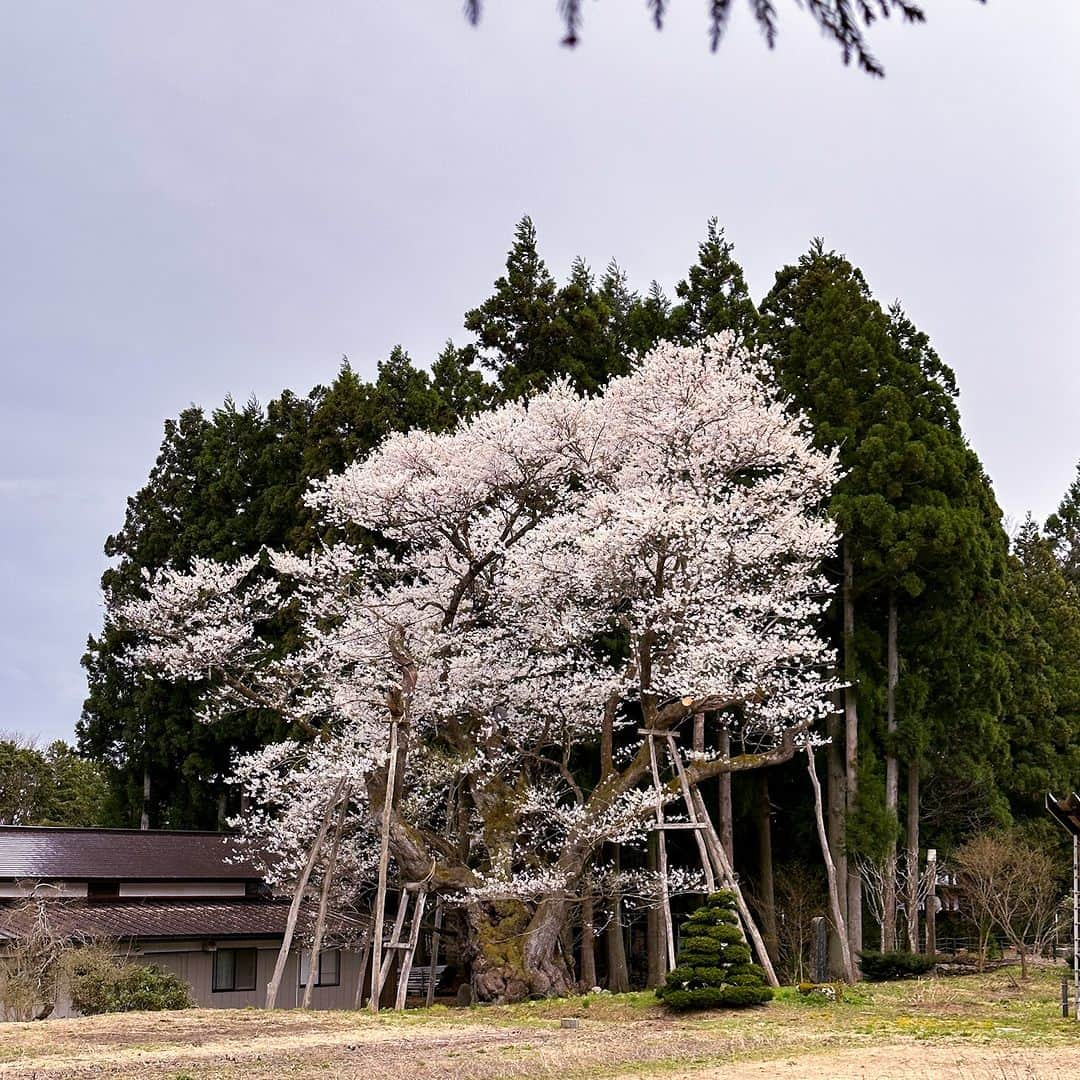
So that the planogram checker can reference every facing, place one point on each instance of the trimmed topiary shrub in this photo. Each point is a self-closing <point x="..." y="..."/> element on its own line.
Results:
<point x="714" y="968"/>
<point x="882" y="967"/>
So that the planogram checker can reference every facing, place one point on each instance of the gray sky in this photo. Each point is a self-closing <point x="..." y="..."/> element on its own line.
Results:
<point x="201" y="199"/>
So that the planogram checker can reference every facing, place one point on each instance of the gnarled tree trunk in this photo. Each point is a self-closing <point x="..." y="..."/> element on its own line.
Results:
<point x="514" y="950"/>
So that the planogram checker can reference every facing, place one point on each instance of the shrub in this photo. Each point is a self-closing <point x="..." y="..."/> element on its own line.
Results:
<point x="714" y="966"/>
<point x="98" y="984"/>
<point x="881" y="967"/>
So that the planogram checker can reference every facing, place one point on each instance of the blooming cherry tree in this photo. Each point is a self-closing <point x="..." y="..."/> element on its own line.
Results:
<point x="549" y="573"/>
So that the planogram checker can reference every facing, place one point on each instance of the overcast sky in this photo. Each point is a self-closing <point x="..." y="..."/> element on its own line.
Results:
<point x="209" y="198"/>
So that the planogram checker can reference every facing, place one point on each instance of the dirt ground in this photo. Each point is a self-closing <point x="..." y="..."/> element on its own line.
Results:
<point x="971" y="1028"/>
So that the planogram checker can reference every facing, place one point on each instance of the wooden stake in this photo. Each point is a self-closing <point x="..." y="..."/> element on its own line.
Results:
<point x="298" y="895"/>
<point x="726" y="873"/>
<point x="365" y="953"/>
<point x="384" y="859"/>
<point x="406" y="961"/>
<point x="324" y="900"/>
<point x="684" y="784"/>
<point x="665" y="900"/>
<point x="433" y="968"/>
<point x="830" y="869"/>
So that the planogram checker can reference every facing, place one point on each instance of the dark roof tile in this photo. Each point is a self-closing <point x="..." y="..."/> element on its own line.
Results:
<point x="142" y="919"/>
<point x="51" y="854"/>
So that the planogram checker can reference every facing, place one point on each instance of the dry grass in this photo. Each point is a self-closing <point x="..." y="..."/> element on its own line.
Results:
<point x="977" y="1027"/>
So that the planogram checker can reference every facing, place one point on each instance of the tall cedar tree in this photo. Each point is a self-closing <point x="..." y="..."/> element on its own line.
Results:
<point x="1043" y="713"/>
<point x="912" y="514"/>
<point x="1063" y="530"/>
<point x="714" y="295"/>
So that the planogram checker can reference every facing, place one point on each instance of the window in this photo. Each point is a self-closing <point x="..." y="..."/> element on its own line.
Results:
<point x="234" y="969"/>
<point x="329" y="967"/>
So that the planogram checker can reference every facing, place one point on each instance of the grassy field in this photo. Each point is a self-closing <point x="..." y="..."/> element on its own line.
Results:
<point x="972" y="1026"/>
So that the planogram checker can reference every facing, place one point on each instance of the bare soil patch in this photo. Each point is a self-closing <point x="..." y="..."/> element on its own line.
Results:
<point x="970" y="1027"/>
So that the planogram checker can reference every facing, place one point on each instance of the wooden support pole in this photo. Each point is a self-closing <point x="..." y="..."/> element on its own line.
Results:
<point x="726" y="873"/>
<point x="406" y="961"/>
<point x="364" y="954"/>
<point x="684" y="785"/>
<point x="298" y="896"/>
<point x="661" y="846"/>
<point x="384" y="859"/>
<point x="324" y="900"/>
<point x="835" y="885"/>
<point x="395" y="937"/>
<point x="433" y="968"/>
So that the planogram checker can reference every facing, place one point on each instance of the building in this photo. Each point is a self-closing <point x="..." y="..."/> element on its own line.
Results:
<point x="188" y="902"/>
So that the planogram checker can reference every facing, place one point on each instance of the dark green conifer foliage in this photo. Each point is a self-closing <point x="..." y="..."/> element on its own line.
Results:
<point x="649" y="320"/>
<point x="714" y="296"/>
<point x="460" y="386"/>
<point x="714" y="968"/>
<point x="921" y="537"/>
<point x="517" y="330"/>
<point x="223" y="487"/>
<point x="1042" y="716"/>
<point x="1063" y="530"/>
<point x="531" y="331"/>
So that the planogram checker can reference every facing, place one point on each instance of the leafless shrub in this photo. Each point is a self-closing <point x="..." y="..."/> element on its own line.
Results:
<point x="30" y="963"/>
<point x="800" y="897"/>
<point x="1011" y="885"/>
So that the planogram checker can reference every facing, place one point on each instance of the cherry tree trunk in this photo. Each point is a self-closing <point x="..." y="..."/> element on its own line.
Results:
<point x="515" y="951"/>
<point x="618" y="973"/>
<point x="588" y="944"/>
<point x="724" y="823"/>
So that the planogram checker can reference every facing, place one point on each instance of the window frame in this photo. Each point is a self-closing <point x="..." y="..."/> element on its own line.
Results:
<point x="215" y="984"/>
<point x="304" y="960"/>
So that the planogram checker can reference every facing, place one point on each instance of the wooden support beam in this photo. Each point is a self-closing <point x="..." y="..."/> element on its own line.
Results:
<point x="410" y="950"/>
<point x="691" y="810"/>
<point x="433" y="967"/>
<point x="665" y="899"/>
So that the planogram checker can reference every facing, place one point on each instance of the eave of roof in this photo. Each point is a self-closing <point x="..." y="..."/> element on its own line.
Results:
<point x="144" y="920"/>
<point x="70" y="854"/>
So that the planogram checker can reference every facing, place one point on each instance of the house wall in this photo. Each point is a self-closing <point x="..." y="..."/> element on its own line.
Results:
<point x="196" y="967"/>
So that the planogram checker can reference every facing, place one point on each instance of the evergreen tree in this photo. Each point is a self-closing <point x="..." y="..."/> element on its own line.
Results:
<point x="714" y="295"/>
<point x="517" y="329"/>
<point x="1043" y="646"/>
<point x="460" y="386"/>
<point x="649" y="320"/>
<point x="50" y="787"/>
<point x="1063" y="530"/>
<point x="916" y="525"/>
<point x="714" y="968"/>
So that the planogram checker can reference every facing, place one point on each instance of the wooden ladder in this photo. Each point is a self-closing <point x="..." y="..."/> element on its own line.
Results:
<point x="714" y="861"/>
<point x="403" y="941"/>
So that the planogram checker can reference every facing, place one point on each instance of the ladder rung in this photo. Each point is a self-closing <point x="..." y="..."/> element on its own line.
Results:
<point x="676" y="825"/>
<point x="396" y="945"/>
<point x="658" y="734"/>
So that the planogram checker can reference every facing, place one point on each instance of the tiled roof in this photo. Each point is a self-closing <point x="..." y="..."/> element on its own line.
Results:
<point x="127" y="919"/>
<point x="35" y="852"/>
